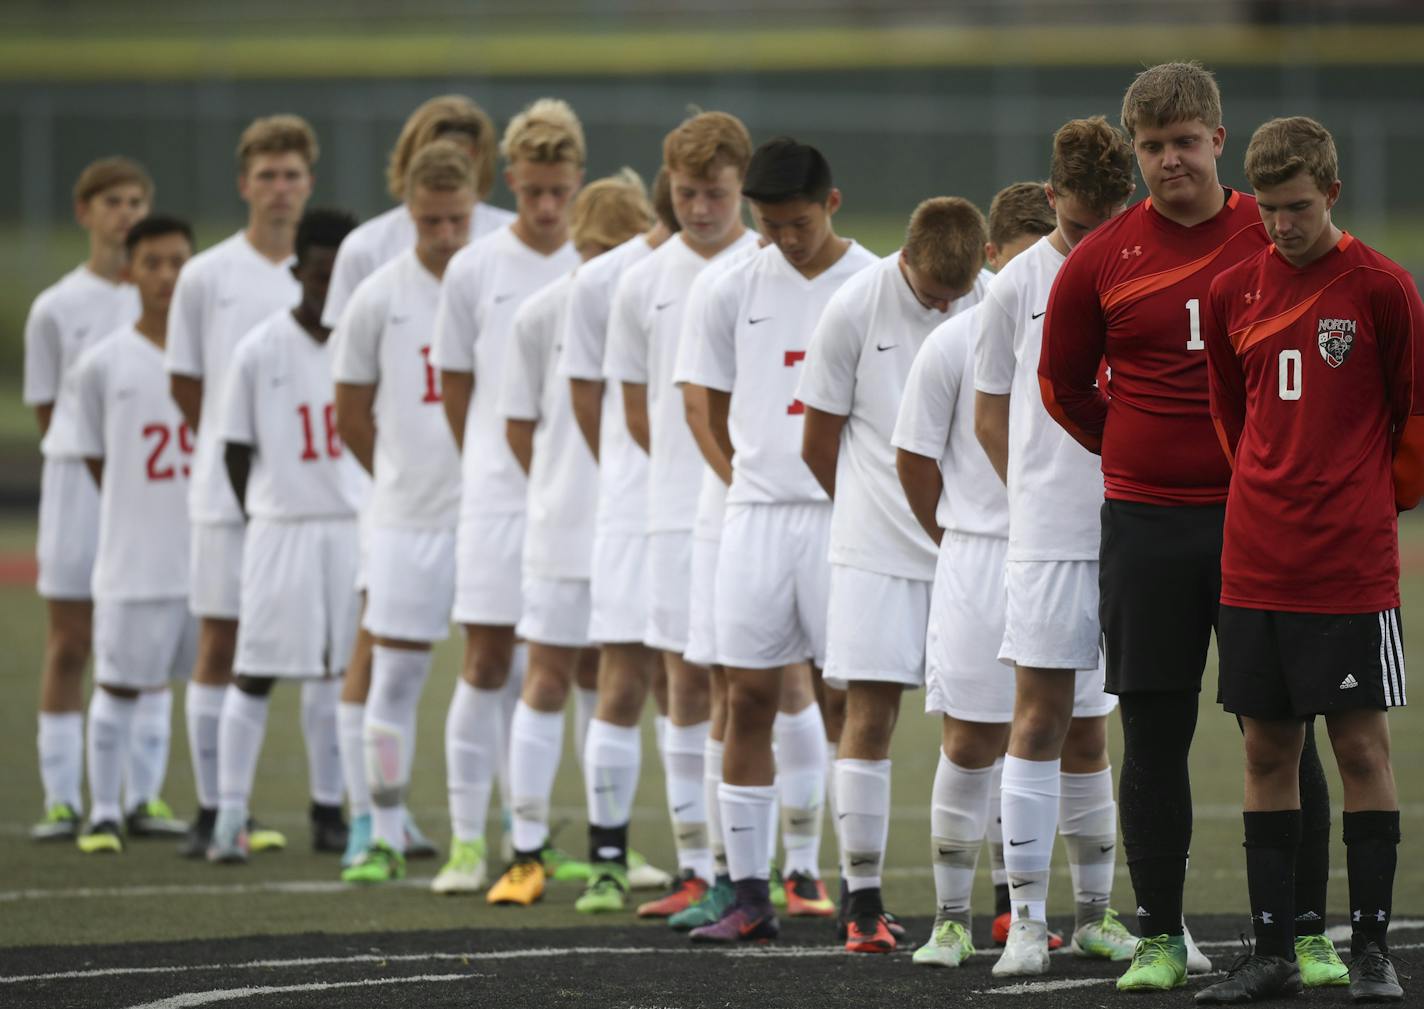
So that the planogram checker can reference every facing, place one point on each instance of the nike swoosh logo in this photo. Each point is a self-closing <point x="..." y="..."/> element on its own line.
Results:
<point x="890" y="346"/>
<point x="500" y="299"/>
<point x="753" y="322"/>
<point x="861" y="861"/>
<point x="799" y="821"/>
<point x="738" y="830"/>
<point x="659" y="308"/>
<point x="945" y="852"/>
<point x="1015" y="844"/>
<point x="1040" y="315"/>
<point x="1015" y="886"/>
<point x="399" y="320"/>
<point x="1105" y="848"/>
<point x="750" y="927"/>
<point x="842" y="816"/>
<point x="602" y="789"/>
<point x="679" y="809"/>
<point x="123" y="393"/>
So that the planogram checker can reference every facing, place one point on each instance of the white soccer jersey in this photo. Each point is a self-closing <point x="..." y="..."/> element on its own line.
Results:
<point x="379" y="240"/>
<point x="384" y="340"/>
<point x="70" y="315"/>
<point x="484" y="284"/>
<point x="937" y="421"/>
<point x="643" y="331"/>
<point x="1055" y="484"/>
<point x="280" y="400"/>
<point x="622" y="465"/>
<point x="855" y="368"/>
<point x="124" y="415"/>
<point x="563" y="480"/>
<point x="760" y="317"/>
<point x="221" y="294"/>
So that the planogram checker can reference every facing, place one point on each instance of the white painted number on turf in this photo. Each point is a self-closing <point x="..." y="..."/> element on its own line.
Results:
<point x="1194" y="319"/>
<point x="1290" y="374"/>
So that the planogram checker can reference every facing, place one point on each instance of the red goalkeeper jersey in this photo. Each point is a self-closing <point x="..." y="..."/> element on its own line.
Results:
<point x="1315" y="379"/>
<point x="1131" y="294"/>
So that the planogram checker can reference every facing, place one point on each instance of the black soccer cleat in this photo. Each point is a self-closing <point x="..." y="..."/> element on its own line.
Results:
<point x="1372" y="976"/>
<point x="1253" y="978"/>
<point x="329" y="832"/>
<point x="200" y="835"/>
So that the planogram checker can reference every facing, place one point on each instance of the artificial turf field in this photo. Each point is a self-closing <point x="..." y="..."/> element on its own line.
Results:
<point x="147" y="928"/>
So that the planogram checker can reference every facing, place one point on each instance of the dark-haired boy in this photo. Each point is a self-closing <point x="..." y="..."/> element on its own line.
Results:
<point x="773" y="574"/>
<point x="299" y="491"/>
<point x="137" y="447"/>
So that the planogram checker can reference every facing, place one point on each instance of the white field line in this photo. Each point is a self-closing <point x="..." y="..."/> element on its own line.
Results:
<point x="201" y="998"/>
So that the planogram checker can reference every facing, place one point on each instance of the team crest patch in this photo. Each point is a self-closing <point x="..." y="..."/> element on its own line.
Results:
<point x="1336" y="339"/>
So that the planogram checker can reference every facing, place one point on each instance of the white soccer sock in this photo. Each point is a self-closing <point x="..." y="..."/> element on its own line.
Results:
<point x="147" y="763"/>
<point x="711" y="780"/>
<point x="863" y="802"/>
<point x="997" y="874"/>
<point x="611" y="764"/>
<point x="509" y="696"/>
<point x="832" y="806"/>
<point x="747" y="820"/>
<point x="660" y="727"/>
<point x="959" y="814"/>
<point x="397" y="677"/>
<point x="536" y="744"/>
<point x="202" y="709"/>
<point x="320" y="699"/>
<point x="684" y="748"/>
<point x="244" y="724"/>
<point x="110" y="719"/>
<point x="801" y="783"/>
<point x="1087" y="817"/>
<point x="349" y="718"/>
<point x="60" y="742"/>
<point x="585" y="704"/>
<point x="1030" y="821"/>
<point x="474" y="736"/>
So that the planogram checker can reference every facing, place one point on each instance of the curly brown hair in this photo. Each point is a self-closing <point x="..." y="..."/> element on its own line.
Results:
<point x="1093" y="161"/>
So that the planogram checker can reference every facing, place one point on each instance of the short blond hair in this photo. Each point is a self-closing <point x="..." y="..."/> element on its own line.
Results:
<point x="662" y="200"/>
<point x="1092" y="161"/>
<point x="547" y="132"/>
<point x="441" y="166"/>
<point x="611" y="210"/>
<point x="1020" y="209"/>
<point x="707" y="142"/>
<point x="945" y="240"/>
<point x="1282" y="148"/>
<point x="438" y="117"/>
<point x="106" y="173"/>
<point x="277" y="135"/>
<point x="1171" y="93"/>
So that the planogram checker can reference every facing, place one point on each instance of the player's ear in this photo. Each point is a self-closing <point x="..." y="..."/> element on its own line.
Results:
<point x="1052" y="197"/>
<point x="1332" y="195"/>
<point x="1218" y="140"/>
<point x="833" y="201"/>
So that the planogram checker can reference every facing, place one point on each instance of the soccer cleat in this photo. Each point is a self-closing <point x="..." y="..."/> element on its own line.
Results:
<point x="1107" y="939"/>
<point x="866" y="933"/>
<point x="643" y="875"/>
<point x="777" y="888"/>
<point x="687" y="889"/>
<point x="230" y="843"/>
<point x="606" y="892"/>
<point x="741" y="923"/>
<point x="200" y="835"/>
<point x="417" y="845"/>
<point x="101" y="838"/>
<point x="1373" y="977"/>
<point x="562" y="867"/>
<point x="1158" y="964"/>
<point x="358" y="839"/>
<point x="1000" y="932"/>
<point x="522" y="883"/>
<point x="806" y="897"/>
<point x="1320" y="965"/>
<point x="893" y="924"/>
<point x="380" y="863"/>
<point x="328" y="829"/>
<point x="949" y="946"/>
<point x="1197" y="961"/>
<point x="714" y="903"/>
<point x="1025" y="951"/>
<point x="60" y="823"/>
<point x="260" y="838"/>
<point x="464" y="871"/>
<point x="1253" y="978"/>
<point x="154" y="818"/>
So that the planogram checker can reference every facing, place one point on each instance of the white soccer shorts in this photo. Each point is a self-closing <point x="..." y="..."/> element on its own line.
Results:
<point x="669" y="590"/>
<point x="701" y="625"/>
<point x="773" y="584"/>
<point x="556" y="612"/>
<point x="489" y="570"/>
<point x="1051" y="619"/>
<point x="299" y="601"/>
<point x="875" y="628"/>
<point x="618" y="589"/>
<point x="215" y="570"/>
<point x="143" y="644"/>
<point x="68" y="536"/>
<point x="411" y="583"/>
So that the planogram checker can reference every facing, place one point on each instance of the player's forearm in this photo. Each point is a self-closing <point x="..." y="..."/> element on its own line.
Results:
<point x="694" y="407"/>
<point x="456" y="390"/>
<point x="821" y="447"/>
<point x="520" y="435"/>
<point x="43" y="413"/>
<point x="991" y="428"/>
<point x="356" y="422"/>
<point x="187" y="392"/>
<point x="587" y="397"/>
<point x="237" y="459"/>
<point x="1078" y="406"/>
<point x="719" y="408"/>
<point x="920" y="477"/>
<point x="635" y="414"/>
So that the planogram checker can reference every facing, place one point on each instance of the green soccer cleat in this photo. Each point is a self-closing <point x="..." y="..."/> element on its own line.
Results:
<point x="60" y="823"/>
<point x="153" y="818"/>
<point x="777" y="888"/>
<point x="720" y="896"/>
<point x="949" y="946"/>
<point x="261" y="838"/>
<point x="464" y="871"/>
<point x="1158" y="964"/>
<point x="606" y="892"/>
<point x="380" y="864"/>
<point x="1104" y="940"/>
<point x="1320" y="965"/>
<point x="563" y="867"/>
<point x="101" y="838"/>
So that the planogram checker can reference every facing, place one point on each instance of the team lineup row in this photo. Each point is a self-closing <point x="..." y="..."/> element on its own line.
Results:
<point x="776" y="475"/>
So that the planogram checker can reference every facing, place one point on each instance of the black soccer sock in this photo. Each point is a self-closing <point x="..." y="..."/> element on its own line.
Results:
<point x="1155" y="803"/>
<point x="865" y="902"/>
<point x="1002" y="903"/>
<point x="1371" y="852"/>
<point x="608" y="844"/>
<point x="756" y="892"/>
<point x="1312" y="861"/>
<point x="1271" y="842"/>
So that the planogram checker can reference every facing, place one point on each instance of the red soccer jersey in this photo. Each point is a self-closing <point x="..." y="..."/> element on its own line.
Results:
<point x="1131" y="295"/>
<point x="1314" y="373"/>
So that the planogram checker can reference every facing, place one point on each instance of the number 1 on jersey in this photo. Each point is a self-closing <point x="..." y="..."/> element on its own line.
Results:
<point x="1195" y="342"/>
<point x="791" y="360"/>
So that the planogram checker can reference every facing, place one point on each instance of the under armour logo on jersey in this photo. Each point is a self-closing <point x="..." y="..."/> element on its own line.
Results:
<point x="1251" y="299"/>
<point x="1349" y="682"/>
<point x="1136" y="250"/>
